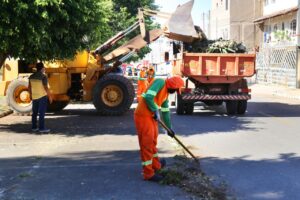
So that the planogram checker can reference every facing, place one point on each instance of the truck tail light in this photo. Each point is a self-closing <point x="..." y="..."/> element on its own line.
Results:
<point x="244" y="90"/>
<point x="186" y="90"/>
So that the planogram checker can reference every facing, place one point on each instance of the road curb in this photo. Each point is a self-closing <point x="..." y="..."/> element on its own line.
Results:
<point x="277" y="91"/>
<point x="5" y="113"/>
<point x="286" y="95"/>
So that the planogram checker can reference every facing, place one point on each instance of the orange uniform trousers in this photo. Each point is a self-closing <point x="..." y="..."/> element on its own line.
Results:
<point x="147" y="129"/>
<point x="142" y="87"/>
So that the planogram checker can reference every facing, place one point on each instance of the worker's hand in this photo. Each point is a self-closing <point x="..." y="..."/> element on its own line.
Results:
<point x="171" y="133"/>
<point x="50" y="99"/>
<point x="156" y="115"/>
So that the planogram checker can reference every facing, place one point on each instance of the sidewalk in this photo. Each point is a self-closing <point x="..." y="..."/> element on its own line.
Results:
<point x="4" y="109"/>
<point x="275" y="90"/>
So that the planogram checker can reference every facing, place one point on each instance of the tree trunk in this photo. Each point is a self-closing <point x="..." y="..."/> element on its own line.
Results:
<point x="3" y="57"/>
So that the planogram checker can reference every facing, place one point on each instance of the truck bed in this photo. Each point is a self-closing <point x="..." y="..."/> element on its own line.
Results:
<point x="215" y="67"/>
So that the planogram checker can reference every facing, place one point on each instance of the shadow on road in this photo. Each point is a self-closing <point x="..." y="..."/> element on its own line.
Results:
<point x="259" y="179"/>
<point x="116" y="174"/>
<point x="86" y="122"/>
<point x="86" y="175"/>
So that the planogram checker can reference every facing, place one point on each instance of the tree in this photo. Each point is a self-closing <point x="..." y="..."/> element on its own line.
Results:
<point x="51" y="29"/>
<point x="57" y="29"/>
<point x="125" y="14"/>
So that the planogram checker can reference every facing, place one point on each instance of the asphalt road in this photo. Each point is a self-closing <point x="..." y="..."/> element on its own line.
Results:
<point x="87" y="156"/>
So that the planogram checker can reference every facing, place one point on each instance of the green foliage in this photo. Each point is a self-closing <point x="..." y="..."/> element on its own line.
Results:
<point x="281" y="35"/>
<point x="56" y="29"/>
<point x="125" y="14"/>
<point x="51" y="29"/>
<point x="132" y="5"/>
<point x="216" y="46"/>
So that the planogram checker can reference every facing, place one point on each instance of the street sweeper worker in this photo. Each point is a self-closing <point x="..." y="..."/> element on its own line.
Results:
<point x="146" y="116"/>
<point x="142" y="83"/>
<point x="150" y="74"/>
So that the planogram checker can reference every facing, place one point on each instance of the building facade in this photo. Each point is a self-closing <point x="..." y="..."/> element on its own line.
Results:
<point x="277" y="60"/>
<point x="233" y="19"/>
<point x="278" y="22"/>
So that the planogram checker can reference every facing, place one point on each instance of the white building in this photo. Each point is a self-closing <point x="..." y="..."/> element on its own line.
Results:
<point x="157" y="56"/>
<point x="278" y="22"/>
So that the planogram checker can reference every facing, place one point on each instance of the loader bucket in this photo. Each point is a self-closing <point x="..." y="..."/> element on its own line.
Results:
<point x="134" y="44"/>
<point x="180" y="26"/>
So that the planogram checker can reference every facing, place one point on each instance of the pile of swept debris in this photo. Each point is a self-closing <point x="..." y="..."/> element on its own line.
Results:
<point x="186" y="174"/>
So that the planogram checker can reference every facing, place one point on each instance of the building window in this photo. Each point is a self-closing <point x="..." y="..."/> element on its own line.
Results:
<point x="282" y="26"/>
<point x="275" y="28"/>
<point x="293" y="26"/>
<point x="226" y="4"/>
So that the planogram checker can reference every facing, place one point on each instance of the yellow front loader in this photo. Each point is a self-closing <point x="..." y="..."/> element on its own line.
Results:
<point x="94" y="76"/>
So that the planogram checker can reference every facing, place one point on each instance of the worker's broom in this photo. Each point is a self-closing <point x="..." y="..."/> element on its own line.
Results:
<point x="177" y="140"/>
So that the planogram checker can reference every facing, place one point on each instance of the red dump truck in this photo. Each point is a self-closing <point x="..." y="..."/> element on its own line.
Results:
<point x="217" y="78"/>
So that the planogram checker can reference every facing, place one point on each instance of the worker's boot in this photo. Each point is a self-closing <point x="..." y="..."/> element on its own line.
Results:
<point x="163" y="163"/>
<point x="156" y="178"/>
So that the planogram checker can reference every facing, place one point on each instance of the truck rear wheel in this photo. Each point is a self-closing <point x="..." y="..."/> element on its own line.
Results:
<point x="189" y="108"/>
<point x="179" y="105"/>
<point x="242" y="107"/>
<point x="56" y="106"/>
<point x="231" y="107"/>
<point x="113" y="95"/>
<point x="18" y="97"/>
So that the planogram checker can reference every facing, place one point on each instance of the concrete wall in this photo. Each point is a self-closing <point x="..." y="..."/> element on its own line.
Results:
<point x="233" y="22"/>
<point x="242" y="15"/>
<point x="258" y="28"/>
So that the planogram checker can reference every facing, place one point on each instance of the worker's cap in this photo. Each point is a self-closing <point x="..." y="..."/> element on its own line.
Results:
<point x="175" y="82"/>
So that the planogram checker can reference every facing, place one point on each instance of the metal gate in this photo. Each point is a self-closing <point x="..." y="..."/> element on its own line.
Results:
<point x="277" y="65"/>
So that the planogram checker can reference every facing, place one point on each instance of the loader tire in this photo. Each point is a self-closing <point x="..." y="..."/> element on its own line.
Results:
<point x="242" y="107"/>
<point x="113" y="95"/>
<point x="231" y="107"/>
<point x="179" y="105"/>
<point x="56" y="106"/>
<point x="17" y="96"/>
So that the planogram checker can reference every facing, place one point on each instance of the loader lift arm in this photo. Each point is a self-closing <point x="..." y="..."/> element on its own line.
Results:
<point x="184" y="31"/>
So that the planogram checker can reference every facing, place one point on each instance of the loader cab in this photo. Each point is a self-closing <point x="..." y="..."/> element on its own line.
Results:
<point x="24" y="67"/>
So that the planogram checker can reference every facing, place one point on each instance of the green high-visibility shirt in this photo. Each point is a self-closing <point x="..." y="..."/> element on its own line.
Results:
<point x="149" y="96"/>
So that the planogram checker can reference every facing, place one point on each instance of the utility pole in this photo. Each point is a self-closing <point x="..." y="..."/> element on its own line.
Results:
<point x="203" y="22"/>
<point x="298" y="25"/>
<point x="208" y="25"/>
